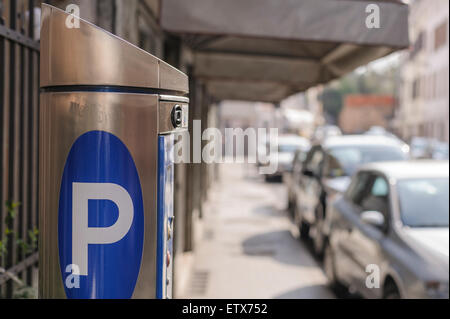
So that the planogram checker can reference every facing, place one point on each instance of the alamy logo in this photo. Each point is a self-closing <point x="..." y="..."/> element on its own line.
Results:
<point x="373" y="279"/>
<point x="373" y="17"/>
<point x="73" y="278"/>
<point x="100" y="219"/>
<point x="73" y="20"/>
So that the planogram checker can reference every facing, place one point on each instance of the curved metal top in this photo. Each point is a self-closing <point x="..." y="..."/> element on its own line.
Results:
<point x="91" y="56"/>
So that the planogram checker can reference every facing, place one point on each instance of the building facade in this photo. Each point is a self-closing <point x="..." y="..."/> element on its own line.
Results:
<point x="361" y="112"/>
<point x="424" y="93"/>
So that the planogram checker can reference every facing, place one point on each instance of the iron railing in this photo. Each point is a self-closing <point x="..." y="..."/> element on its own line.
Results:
<point x="19" y="103"/>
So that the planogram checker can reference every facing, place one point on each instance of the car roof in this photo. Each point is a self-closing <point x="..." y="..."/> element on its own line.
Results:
<point x="348" y="140"/>
<point x="410" y="169"/>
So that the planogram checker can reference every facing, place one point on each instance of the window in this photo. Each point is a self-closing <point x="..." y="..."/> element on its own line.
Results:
<point x="378" y="197"/>
<point x="287" y="148"/>
<point x="370" y="193"/>
<point x="380" y="187"/>
<point x="357" y="188"/>
<point x="418" y="44"/>
<point x="350" y="157"/>
<point x="424" y="202"/>
<point x="440" y="35"/>
<point x="415" y="89"/>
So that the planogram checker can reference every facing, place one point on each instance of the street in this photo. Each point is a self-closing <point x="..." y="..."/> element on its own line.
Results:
<point x="247" y="249"/>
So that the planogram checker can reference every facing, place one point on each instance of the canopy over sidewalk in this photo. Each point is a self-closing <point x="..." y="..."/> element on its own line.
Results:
<point x="265" y="50"/>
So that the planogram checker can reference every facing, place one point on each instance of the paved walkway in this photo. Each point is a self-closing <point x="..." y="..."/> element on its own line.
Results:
<point x="247" y="250"/>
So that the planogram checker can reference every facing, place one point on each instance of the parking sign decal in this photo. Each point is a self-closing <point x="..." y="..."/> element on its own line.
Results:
<point x="100" y="219"/>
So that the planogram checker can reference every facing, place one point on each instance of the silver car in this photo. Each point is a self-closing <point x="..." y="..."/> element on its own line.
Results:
<point x="283" y="158"/>
<point x="388" y="234"/>
<point x="327" y="170"/>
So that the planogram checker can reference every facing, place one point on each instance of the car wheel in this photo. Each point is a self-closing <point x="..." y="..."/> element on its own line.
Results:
<point x="328" y="265"/>
<point x="392" y="292"/>
<point x="290" y="205"/>
<point x="330" y="271"/>
<point x="319" y="238"/>
<point x="292" y="209"/>
<point x="304" y="230"/>
<point x="303" y="227"/>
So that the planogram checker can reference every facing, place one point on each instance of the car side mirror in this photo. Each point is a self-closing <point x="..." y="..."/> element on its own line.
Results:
<point x="373" y="218"/>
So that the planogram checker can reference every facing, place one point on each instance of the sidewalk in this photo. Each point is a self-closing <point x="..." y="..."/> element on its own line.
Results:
<point x="247" y="250"/>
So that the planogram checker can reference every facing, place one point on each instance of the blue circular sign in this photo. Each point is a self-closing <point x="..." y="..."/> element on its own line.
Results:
<point x="100" y="219"/>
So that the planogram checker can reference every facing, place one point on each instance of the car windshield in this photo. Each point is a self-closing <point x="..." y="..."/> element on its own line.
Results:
<point x="424" y="202"/>
<point x="288" y="148"/>
<point x="351" y="157"/>
<point x="442" y="148"/>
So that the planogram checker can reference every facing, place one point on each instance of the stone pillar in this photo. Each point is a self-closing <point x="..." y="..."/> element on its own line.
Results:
<point x="106" y="15"/>
<point x="126" y="20"/>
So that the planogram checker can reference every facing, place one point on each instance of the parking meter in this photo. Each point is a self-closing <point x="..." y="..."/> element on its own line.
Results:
<point x="108" y="115"/>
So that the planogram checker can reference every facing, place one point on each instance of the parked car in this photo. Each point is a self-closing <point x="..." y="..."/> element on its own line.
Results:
<point x="323" y="132"/>
<point x="429" y="148"/>
<point x="292" y="177"/>
<point x="394" y="217"/>
<point x="440" y="151"/>
<point x="287" y="146"/>
<point x="421" y="148"/>
<point x="380" y="131"/>
<point x="328" y="169"/>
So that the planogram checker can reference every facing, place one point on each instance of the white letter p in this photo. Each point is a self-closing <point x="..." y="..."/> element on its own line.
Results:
<point x="82" y="234"/>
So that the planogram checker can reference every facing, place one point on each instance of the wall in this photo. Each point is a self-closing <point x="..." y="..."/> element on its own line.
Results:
<point x="361" y="112"/>
<point x="424" y="93"/>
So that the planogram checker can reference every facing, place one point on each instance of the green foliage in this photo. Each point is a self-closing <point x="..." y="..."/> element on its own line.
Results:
<point x="3" y="247"/>
<point x="11" y="213"/>
<point x="30" y="245"/>
<point x="27" y="245"/>
<point x="25" y="292"/>
<point x="369" y="82"/>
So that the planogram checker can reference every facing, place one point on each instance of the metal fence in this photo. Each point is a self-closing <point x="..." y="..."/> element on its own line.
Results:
<point x="19" y="103"/>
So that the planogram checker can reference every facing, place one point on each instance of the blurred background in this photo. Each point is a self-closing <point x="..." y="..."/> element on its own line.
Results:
<point x="316" y="70"/>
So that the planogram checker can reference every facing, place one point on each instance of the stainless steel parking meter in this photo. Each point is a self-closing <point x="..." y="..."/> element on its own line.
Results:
<point x="107" y="118"/>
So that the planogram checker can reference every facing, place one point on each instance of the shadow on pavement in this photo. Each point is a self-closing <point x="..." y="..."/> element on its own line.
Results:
<point x="274" y="180"/>
<point x="308" y="292"/>
<point x="279" y="245"/>
<point x="269" y="211"/>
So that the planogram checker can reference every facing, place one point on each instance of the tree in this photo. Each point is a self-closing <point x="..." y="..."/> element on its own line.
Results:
<point x="369" y="82"/>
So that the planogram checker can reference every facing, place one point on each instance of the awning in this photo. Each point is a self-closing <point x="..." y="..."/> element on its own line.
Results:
<point x="265" y="50"/>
